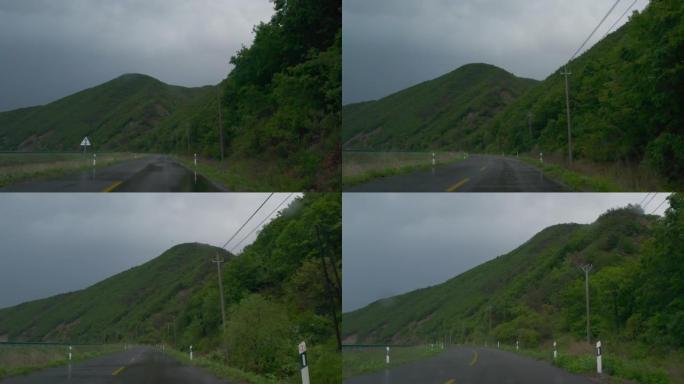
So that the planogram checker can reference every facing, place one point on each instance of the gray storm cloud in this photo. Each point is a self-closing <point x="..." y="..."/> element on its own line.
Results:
<point x="50" y="49"/>
<point x="55" y="243"/>
<point x="389" y="45"/>
<point x="395" y="243"/>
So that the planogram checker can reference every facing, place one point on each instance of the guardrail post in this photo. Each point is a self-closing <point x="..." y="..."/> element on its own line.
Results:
<point x="304" y="363"/>
<point x="599" y="365"/>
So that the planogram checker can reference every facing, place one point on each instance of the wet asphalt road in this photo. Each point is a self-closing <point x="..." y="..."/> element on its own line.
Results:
<point x="149" y="174"/>
<point x="135" y="366"/>
<point x="464" y="365"/>
<point x="479" y="173"/>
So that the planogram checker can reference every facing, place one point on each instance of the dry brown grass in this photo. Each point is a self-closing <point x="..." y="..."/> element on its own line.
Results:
<point x="362" y="166"/>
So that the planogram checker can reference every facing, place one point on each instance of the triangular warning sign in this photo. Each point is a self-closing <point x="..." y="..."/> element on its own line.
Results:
<point x="85" y="142"/>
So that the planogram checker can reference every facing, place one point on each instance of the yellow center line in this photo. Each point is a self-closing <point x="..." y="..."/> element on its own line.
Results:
<point x="112" y="187"/>
<point x="472" y="363"/>
<point x="118" y="371"/>
<point x="458" y="185"/>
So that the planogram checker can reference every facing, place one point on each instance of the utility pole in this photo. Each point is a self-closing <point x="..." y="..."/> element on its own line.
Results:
<point x="586" y="268"/>
<point x="218" y="262"/>
<point x="567" y="108"/>
<point x="218" y="102"/>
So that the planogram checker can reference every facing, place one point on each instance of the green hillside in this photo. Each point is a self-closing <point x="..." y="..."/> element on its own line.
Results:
<point x="132" y="305"/>
<point x="282" y="289"/>
<point x="436" y="114"/>
<point x="113" y="115"/>
<point x="626" y="97"/>
<point x="536" y="292"/>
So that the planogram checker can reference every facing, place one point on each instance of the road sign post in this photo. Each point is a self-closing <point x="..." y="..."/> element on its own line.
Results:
<point x="387" y="355"/>
<point x="85" y="143"/>
<point x="191" y="352"/>
<point x="555" y="351"/>
<point x="304" y="363"/>
<point x="599" y="365"/>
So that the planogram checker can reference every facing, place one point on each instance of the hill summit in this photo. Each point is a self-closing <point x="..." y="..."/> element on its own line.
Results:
<point x="436" y="114"/>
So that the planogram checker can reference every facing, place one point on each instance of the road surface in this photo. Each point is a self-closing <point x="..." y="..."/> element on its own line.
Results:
<point x="135" y="366"/>
<point x="149" y="174"/>
<point x="479" y="173"/>
<point x="463" y="365"/>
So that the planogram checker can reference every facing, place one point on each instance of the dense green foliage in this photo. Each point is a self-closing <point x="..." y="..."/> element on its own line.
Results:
<point x="115" y="116"/>
<point x="536" y="292"/>
<point x="437" y="114"/>
<point x="280" y="104"/>
<point x="275" y="291"/>
<point x="626" y="99"/>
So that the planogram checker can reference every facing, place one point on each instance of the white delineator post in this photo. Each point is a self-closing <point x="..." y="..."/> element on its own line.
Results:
<point x="517" y="346"/>
<point x="94" y="159"/>
<point x="191" y="352"/>
<point x="304" y="363"/>
<point x="70" y="353"/>
<point x="599" y="366"/>
<point x="195" y="159"/>
<point x="433" y="159"/>
<point x="555" y="351"/>
<point x="541" y="157"/>
<point x="497" y="344"/>
<point x="387" y="349"/>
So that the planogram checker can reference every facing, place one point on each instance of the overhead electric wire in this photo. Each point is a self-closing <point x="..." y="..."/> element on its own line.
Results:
<point x="651" y="200"/>
<point x="659" y="205"/>
<point x="262" y="222"/>
<point x="595" y="29"/>
<point x="644" y="199"/>
<point x="248" y="220"/>
<point x="621" y="17"/>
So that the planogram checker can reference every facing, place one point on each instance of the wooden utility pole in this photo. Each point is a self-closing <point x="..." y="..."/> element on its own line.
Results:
<point x="586" y="268"/>
<point x="220" y="283"/>
<point x="567" y="108"/>
<point x="220" y="120"/>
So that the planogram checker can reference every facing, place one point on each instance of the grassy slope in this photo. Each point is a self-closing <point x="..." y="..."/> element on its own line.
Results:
<point x="115" y="115"/>
<point x="437" y="114"/>
<point x="621" y="100"/>
<point x="128" y="306"/>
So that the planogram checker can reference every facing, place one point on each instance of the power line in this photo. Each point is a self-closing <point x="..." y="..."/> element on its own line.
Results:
<point x="659" y="205"/>
<point x="621" y="17"/>
<point x="262" y="221"/>
<point x="595" y="29"/>
<point x="649" y="201"/>
<point x="644" y="199"/>
<point x="248" y="220"/>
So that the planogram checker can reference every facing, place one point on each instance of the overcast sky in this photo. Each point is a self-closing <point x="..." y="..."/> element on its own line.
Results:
<point x="389" y="45"/>
<point x="50" y="49"/>
<point x="55" y="243"/>
<point x="395" y="243"/>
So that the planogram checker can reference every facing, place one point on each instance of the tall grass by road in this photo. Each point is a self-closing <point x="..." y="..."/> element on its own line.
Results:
<point x="356" y="361"/>
<point x="361" y="167"/>
<point x="21" y="359"/>
<point x="18" y="167"/>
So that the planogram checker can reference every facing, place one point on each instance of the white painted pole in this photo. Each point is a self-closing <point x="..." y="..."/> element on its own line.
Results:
<point x="497" y="344"/>
<point x="94" y="159"/>
<point x="517" y="345"/>
<point x="433" y="159"/>
<point x="387" y="355"/>
<point x="305" y="364"/>
<point x="541" y="157"/>
<point x="195" y="159"/>
<point x="555" y="351"/>
<point x="191" y="352"/>
<point x="599" y="365"/>
<point x="70" y="353"/>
